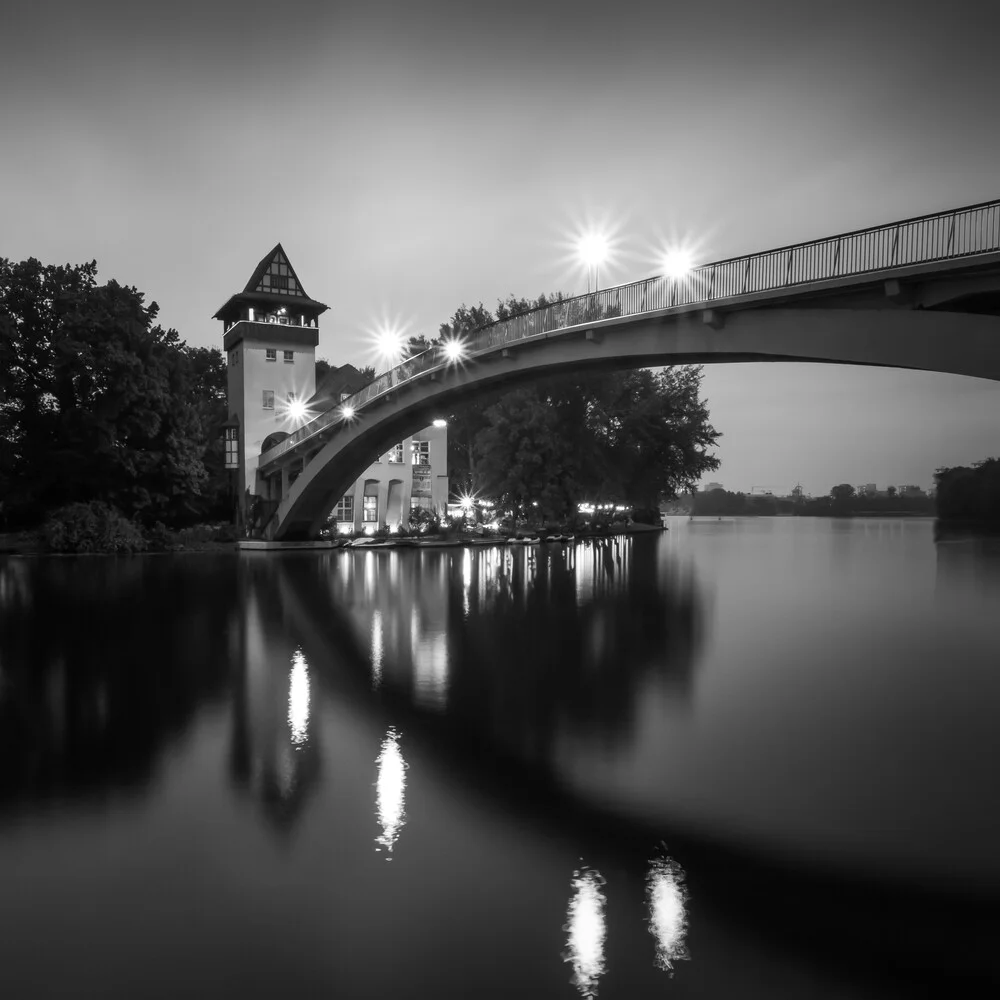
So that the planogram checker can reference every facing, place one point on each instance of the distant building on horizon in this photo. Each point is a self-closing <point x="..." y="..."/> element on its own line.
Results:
<point x="708" y="487"/>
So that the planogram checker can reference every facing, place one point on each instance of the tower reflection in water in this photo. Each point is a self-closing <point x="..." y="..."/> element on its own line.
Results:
<point x="274" y="754"/>
<point x="666" y="900"/>
<point x="390" y="789"/>
<point x="586" y="929"/>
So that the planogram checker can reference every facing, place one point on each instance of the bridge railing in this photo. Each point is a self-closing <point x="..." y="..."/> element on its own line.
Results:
<point x="962" y="232"/>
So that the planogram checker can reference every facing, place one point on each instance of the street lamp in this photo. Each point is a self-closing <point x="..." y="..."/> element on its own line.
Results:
<point x="677" y="263"/>
<point x="593" y="250"/>
<point x="454" y="350"/>
<point x="390" y="344"/>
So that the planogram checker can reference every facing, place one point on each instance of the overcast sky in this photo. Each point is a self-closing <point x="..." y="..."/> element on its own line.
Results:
<point x="422" y="155"/>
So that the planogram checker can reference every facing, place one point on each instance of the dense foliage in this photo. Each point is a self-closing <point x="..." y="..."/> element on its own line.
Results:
<point x="91" y="527"/>
<point x="634" y="437"/>
<point x="969" y="494"/>
<point x="98" y="403"/>
<point x="111" y="426"/>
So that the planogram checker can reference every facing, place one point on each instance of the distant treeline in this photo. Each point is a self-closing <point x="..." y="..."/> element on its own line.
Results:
<point x="964" y="494"/>
<point x="719" y="502"/>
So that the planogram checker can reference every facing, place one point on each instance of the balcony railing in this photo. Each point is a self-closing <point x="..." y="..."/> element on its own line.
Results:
<point x="962" y="232"/>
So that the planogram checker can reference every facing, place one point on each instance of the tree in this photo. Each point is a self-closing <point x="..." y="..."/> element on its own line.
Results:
<point x="841" y="495"/>
<point x="891" y="491"/>
<point x="969" y="494"/>
<point x="96" y="401"/>
<point x="634" y="437"/>
<point x="651" y="434"/>
<point x="208" y="393"/>
<point x="522" y="461"/>
<point x="417" y="345"/>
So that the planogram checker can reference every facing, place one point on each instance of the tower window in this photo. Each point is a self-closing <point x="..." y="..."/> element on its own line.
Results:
<point x="268" y="399"/>
<point x="289" y="356"/>
<point x="271" y="354"/>
<point x="395" y="454"/>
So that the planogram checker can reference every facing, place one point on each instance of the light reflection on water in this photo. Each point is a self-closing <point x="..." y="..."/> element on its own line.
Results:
<point x="666" y="900"/>
<point x="586" y="929"/>
<point x="555" y="654"/>
<point x="298" y="699"/>
<point x="390" y="791"/>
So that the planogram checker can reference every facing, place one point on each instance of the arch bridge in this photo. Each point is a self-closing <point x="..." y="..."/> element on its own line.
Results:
<point x="923" y="293"/>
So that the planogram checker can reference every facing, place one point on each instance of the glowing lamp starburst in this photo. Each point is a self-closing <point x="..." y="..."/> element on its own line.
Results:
<point x="454" y="350"/>
<point x="347" y="412"/>
<point x="390" y="342"/>
<point x="677" y="263"/>
<point x="297" y="409"/>
<point x="593" y="249"/>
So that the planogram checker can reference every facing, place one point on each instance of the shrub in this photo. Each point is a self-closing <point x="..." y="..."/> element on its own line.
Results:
<point x="382" y="531"/>
<point x="92" y="527"/>
<point x="160" y="538"/>
<point x="224" y="533"/>
<point x="647" y="515"/>
<point x="421" y="518"/>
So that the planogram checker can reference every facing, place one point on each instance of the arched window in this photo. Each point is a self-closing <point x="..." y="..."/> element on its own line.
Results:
<point x="369" y="507"/>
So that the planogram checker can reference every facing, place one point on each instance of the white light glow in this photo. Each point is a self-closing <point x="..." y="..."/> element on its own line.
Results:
<point x="389" y="341"/>
<point x="677" y="263"/>
<point x="440" y="423"/>
<point x="454" y="350"/>
<point x="297" y="409"/>
<point x="587" y="930"/>
<point x="593" y="248"/>
<point x="390" y="789"/>
<point x="376" y="648"/>
<point x="347" y="412"/>
<point x="298" y="699"/>
<point x="666" y="898"/>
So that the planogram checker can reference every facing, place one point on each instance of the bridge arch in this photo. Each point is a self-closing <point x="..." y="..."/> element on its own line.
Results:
<point x="954" y="342"/>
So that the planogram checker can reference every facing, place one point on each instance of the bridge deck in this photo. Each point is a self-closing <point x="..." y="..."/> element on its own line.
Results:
<point x="927" y="244"/>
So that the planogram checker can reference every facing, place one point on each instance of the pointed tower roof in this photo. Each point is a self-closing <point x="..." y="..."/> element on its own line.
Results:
<point x="273" y="283"/>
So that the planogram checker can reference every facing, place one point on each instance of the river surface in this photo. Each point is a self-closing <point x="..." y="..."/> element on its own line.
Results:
<point x="739" y="758"/>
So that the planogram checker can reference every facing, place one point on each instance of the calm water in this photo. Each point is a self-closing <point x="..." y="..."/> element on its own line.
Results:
<point x="750" y="757"/>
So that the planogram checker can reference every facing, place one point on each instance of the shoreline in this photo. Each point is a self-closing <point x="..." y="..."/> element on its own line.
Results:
<point x="28" y="543"/>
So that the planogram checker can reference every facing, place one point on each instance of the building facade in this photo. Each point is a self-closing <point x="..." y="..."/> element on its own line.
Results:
<point x="271" y="331"/>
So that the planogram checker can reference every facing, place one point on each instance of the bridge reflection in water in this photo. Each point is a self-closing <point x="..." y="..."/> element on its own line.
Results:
<point x="112" y="723"/>
<point x="519" y="647"/>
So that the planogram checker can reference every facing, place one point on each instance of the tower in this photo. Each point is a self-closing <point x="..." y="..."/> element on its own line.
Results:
<point x="271" y="333"/>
